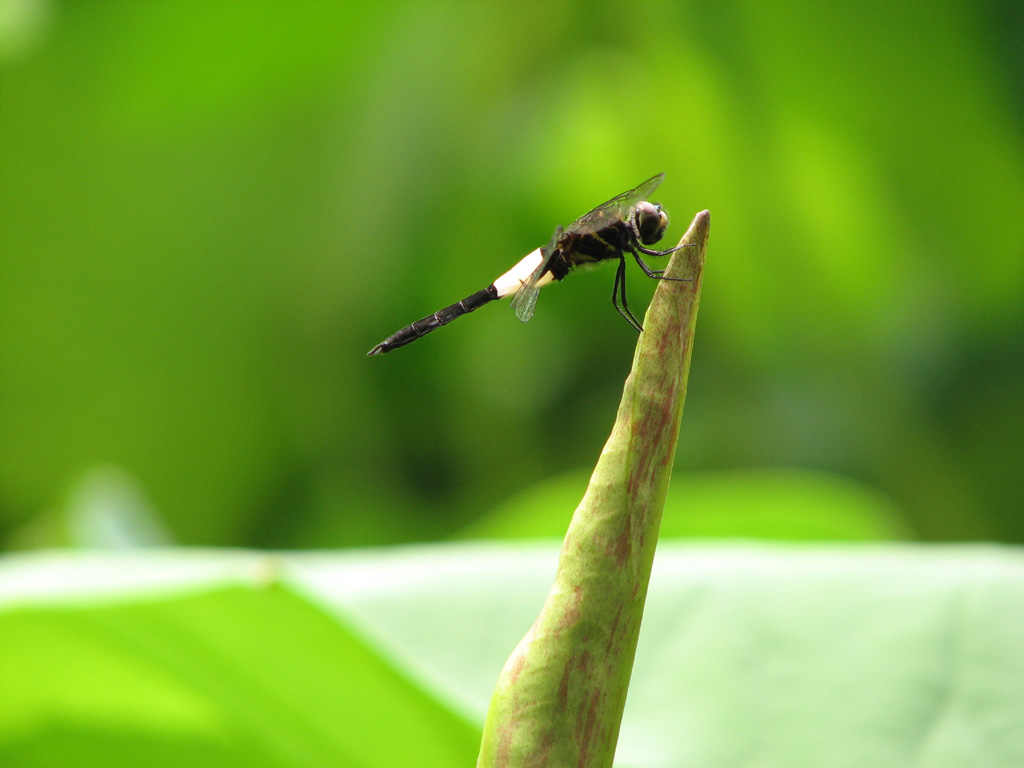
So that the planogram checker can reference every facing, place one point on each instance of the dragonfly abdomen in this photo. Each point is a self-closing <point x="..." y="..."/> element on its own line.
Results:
<point x="429" y="323"/>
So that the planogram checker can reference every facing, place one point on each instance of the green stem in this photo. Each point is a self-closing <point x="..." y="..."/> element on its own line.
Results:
<point x="560" y="696"/>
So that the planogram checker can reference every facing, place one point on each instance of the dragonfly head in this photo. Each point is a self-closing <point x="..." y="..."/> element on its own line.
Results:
<point x="650" y="222"/>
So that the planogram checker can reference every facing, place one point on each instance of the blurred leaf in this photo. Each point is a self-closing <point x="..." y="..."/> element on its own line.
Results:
<point x="250" y="676"/>
<point x="107" y="507"/>
<point x="794" y="505"/>
<point x="783" y="656"/>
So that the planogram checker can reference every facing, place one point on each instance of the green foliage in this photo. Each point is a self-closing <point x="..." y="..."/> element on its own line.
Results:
<point x="216" y="675"/>
<point x="208" y="212"/>
<point x="754" y="504"/>
<point x="788" y="655"/>
<point x="211" y="211"/>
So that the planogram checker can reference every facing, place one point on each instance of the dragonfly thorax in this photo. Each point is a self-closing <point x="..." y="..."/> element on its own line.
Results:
<point x="650" y="222"/>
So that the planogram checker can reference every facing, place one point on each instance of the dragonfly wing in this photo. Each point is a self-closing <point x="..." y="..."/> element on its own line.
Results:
<point x="525" y="299"/>
<point x="616" y="209"/>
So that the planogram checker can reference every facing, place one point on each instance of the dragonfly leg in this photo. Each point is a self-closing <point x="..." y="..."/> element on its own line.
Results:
<point x="666" y="252"/>
<point x="657" y="274"/>
<point x="620" y="285"/>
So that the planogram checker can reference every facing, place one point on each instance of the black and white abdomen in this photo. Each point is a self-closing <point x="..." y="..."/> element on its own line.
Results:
<point x="511" y="281"/>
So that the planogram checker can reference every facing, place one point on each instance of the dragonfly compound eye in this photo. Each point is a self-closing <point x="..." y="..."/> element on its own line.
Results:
<point x="651" y="222"/>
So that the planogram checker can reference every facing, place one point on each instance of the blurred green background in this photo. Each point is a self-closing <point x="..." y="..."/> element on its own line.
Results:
<point x="210" y="211"/>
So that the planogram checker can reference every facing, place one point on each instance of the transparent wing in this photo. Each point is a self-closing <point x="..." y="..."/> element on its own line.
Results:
<point x="525" y="299"/>
<point x="616" y="209"/>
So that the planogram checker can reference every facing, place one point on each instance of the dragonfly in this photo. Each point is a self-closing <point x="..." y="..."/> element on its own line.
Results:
<point x="628" y="223"/>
